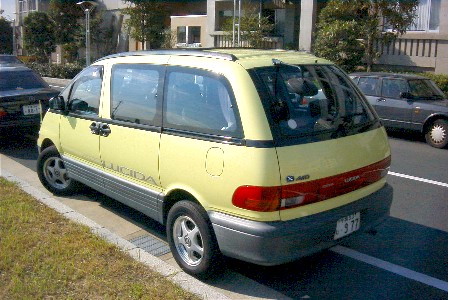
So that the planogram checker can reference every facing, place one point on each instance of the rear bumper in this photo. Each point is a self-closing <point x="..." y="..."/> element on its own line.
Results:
<point x="20" y="122"/>
<point x="273" y="243"/>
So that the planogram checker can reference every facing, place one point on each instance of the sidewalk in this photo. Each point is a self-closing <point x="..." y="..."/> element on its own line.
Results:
<point x="120" y="231"/>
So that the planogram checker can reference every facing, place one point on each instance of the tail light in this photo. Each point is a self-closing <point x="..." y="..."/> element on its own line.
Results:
<point x="3" y="112"/>
<point x="268" y="199"/>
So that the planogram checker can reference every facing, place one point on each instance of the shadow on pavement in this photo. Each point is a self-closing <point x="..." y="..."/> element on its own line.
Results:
<point x="19" y="144"/>
<point x="408" y="135"/>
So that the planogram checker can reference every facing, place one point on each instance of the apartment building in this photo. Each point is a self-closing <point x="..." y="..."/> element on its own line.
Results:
<point x="199" y="23"/>
<point x="423" y="48"/>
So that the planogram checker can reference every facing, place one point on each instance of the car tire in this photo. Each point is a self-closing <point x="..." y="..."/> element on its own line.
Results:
<point x="437" y="134"/>
<point x="192" y="240"/>
<point x="53" y="174"/>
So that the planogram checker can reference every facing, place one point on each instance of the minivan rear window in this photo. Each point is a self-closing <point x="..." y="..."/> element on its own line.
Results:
<point x="334" y="108"/>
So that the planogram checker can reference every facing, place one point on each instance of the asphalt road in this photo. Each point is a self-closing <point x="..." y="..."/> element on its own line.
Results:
<point x="406" y="258"/>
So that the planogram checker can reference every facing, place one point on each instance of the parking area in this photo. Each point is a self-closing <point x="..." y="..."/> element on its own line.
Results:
<point x="405" y="258"/>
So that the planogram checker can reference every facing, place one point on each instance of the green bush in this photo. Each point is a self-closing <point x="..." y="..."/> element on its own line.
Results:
<point x="65" y="71"/>
<point x="442" y="80"/>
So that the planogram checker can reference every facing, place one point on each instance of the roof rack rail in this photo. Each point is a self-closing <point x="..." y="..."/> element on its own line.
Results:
<point x="199" y="52"/>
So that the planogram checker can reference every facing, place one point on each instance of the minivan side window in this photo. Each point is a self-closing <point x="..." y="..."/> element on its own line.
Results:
<point x="134" y="93"/>
<point x="200" y="101"/>
<point x="392" y="88"/>
<point x="85" y="92"/>
<point x="369" y="85"/>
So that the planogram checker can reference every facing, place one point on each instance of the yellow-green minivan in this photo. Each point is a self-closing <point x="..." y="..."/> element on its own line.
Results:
<point x="264" y="156"/>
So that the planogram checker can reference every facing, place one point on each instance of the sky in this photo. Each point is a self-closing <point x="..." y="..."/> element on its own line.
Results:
<point x="9" y="8"/>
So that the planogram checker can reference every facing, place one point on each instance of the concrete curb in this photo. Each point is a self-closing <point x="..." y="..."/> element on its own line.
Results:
<point x="180" y="278"/>
<point x="57" y="81"/>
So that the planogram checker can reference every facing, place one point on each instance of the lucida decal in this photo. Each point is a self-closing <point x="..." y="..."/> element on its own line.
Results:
<point x="129" y="172"/>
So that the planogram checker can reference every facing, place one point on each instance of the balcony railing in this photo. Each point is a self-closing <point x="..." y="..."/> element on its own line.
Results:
<point x="223" y="40"/>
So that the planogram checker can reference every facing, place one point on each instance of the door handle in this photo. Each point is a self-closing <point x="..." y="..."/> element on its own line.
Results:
<point x="105" y="130"/>
<point x="95" y="128"/>
<point x="381" y="100"/>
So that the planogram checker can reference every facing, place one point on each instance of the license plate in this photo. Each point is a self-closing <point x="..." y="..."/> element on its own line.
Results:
<point x="31" y="109"/>
<point x="347" y="225"/>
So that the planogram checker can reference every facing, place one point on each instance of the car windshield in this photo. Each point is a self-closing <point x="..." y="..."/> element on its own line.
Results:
<point x="331" y="109"/>
<point x="424" y="89"/>
<point x="9" y="60"/>
<point x="20" y="80"/>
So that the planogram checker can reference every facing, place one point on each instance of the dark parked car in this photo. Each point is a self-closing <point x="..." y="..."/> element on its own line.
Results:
<point x="21" y="92"/>
<point x="9" y="60"/>
<point x="407" y="102"/>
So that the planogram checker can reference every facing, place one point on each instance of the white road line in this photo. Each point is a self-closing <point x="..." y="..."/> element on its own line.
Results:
<point x="418" y="179"/>
<point x="410" y="274"/>
<point x="56" y="86"/>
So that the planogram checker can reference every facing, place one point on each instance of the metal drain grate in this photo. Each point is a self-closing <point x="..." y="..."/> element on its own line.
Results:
<point x="152" y="245"/>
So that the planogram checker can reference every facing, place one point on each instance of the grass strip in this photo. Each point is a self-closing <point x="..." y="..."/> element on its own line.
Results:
<point x="44" y="255"/>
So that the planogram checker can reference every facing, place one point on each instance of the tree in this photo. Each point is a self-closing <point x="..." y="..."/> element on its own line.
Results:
<point x="6" y="36"/>
<point x="146" y="22"/>
<point x="39" y="35"/>
<point x="254" y="28"/>
<point x="101" y="34"/>
<point x="66" y="14"/>
<point x="352" y="27"/>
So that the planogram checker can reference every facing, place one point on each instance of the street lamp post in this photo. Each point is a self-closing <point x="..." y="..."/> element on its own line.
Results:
<point x="87" y="7"/>
<point x="238" y="24"/>
<point x="14" y="52"/>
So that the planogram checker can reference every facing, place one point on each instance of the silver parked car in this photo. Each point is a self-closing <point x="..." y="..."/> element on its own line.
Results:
<point x="408" y="102"/>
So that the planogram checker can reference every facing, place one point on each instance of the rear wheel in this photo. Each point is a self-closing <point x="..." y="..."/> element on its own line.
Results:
<point x="53" y="174"/>
<point x="192" y="240"/>
<point x="437" y="134"/>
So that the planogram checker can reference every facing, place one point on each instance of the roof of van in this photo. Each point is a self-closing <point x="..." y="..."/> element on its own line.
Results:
<point x="248" y="58"/>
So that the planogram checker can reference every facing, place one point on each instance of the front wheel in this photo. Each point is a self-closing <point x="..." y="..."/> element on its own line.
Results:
<point x="437" y="134"/>
<point x="191" y="239"/>
<point x="53" y="174"/>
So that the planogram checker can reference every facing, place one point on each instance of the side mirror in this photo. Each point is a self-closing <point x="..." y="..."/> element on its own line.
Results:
<point x="57" y="103"/>
<point x="406" y="95"/>
<point x="302" y="86"/>
<point x="78" y="105"/>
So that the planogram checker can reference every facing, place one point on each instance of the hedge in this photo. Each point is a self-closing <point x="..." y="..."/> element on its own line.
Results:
<point x="68" y="71"/>
<point x="442" y="80"/>
<point x="65" y="71"/>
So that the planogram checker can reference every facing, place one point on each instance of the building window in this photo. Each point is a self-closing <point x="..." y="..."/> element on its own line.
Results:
<point x="181" y="34"/>
<point x="32" y="5"/>
<point x="194" y="34"/>
<point x="225" y="19"/>
<point x="27" y="6"/>
<point x="188" y="36"/>
<point x="22" y="6"/>
<point x="427" y="16"/>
